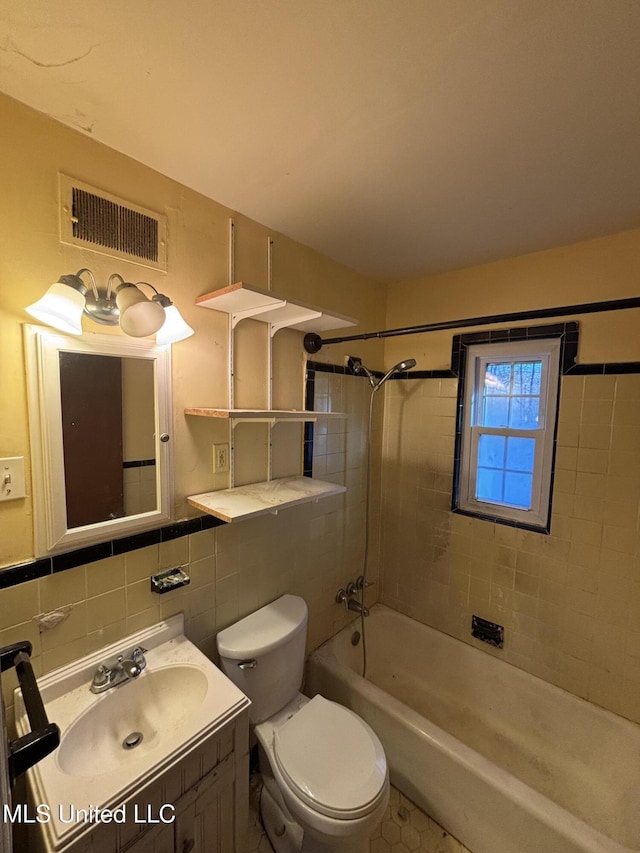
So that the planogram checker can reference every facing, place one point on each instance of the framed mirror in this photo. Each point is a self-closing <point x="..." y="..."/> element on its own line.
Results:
<point x="99" y="418"/>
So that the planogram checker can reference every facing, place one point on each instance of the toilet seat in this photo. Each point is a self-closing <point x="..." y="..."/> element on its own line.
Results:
<point x="331" y="759"/>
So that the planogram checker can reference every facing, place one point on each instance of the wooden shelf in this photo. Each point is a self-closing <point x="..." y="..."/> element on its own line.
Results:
<point x="261" y="414"/>
<point x="243" y="300"/>
<point x="263" y="498"/>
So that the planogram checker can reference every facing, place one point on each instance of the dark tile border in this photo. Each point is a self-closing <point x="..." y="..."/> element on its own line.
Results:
<point x="139" y="463"/>
<point x="23" y="572"/>
<point x="71" y="559"/>
<point x="567" y="332"/>
<point x="324" y="367"/>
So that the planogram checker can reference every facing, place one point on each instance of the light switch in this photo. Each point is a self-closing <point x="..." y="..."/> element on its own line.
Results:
<point x="12" y="478"/>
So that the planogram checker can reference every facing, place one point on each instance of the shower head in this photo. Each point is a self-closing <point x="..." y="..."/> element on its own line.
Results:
<point x="400" y="367"/>
<point x="404" y="365"/>
<point x="375" y="383"/>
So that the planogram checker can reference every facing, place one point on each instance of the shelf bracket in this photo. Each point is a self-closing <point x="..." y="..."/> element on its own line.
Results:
<point x="235" y="421"/>
<point x="254" y="312"/>
<point x="272" y="421"/>
<point x="291" y="321"/>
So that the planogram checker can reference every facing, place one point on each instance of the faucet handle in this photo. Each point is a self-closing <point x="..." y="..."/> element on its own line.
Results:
<point x="361" y="583"/>
<point x="137" y="656"/>
<point x="342" y="598"/>
<point x="101" y="676"/>
<point x="351" y="589"/>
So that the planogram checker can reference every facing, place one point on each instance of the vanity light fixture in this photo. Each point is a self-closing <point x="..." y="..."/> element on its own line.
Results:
<point x="121" y="302"/>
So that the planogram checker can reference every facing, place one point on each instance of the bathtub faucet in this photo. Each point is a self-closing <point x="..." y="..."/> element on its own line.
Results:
<point x="351" y="603"/>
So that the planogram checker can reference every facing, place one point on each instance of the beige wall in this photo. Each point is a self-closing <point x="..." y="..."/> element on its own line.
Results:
<point x="603" y="269"/>
<point x="570" y="602"/>
<point x="235" y="569"/>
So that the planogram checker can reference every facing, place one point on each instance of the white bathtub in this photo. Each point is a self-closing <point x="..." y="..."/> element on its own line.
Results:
<point x="504" y="761"/>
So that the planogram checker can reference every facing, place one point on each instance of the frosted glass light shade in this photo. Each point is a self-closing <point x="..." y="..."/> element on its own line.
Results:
<point x="174" y="329"/>
<point x="139" y="316"/>
<point x="60" y="307"/>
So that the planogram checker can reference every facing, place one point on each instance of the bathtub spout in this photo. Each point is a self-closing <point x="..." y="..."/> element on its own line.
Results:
<point x="351" y="603"/>
<point x="354" y="604"/>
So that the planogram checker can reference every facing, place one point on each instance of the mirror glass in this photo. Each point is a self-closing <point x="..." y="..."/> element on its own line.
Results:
<point x="110" y="402"/>
<point x="98" y="406"/>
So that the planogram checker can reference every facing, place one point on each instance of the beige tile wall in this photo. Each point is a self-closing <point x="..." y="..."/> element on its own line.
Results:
<point x="570" y="602"/>
<point x="309" y="550"/>
<point x="341" y="446"/>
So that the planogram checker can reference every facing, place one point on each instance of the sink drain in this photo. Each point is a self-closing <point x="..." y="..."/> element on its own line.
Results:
<point x="132" y="740"/>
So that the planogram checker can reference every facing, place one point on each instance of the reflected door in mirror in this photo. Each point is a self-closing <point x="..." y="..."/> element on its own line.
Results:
<point x="92" y="436"/>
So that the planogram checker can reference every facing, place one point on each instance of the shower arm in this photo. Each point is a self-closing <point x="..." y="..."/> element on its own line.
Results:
<point x="313" y="343"/>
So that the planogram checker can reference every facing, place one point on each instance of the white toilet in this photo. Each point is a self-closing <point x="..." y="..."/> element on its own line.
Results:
<point x="326" y="783"/>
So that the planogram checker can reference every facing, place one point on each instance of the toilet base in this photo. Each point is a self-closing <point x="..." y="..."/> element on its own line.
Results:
<point x="283" y="832"/>
<point x="287" y="836"/>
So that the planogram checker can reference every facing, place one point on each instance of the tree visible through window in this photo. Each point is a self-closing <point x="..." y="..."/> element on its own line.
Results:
<point x="509" y="411"/>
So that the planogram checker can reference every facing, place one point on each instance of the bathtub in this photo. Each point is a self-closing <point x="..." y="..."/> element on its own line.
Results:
<point x="504" y="761"/>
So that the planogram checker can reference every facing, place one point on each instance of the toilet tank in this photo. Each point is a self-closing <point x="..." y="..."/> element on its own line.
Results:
<point x="263" y="654"/>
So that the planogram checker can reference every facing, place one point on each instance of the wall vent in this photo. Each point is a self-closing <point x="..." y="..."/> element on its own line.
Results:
<point x="104" y="223"/>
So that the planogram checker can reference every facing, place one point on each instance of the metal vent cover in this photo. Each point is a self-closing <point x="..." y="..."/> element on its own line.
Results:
<point x="104" y="223"/>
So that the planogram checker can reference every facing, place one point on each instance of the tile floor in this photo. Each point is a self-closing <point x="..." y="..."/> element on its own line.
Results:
<point x="404" y="829"/>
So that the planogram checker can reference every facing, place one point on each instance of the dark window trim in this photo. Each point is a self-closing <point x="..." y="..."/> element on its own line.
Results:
<point x="569" y="337"/>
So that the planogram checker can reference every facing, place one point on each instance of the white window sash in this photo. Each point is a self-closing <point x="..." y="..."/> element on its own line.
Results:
<point x="546" y="351"/>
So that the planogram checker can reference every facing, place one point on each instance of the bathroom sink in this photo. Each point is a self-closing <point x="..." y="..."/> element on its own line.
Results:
<point x="116" y="742"/>
<point x="137" y="715"/>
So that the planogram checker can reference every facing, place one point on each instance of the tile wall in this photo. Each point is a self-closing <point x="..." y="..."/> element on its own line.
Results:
<point x="570" y="601"/>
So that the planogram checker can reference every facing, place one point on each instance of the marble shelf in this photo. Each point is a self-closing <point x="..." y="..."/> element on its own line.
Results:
<point x="263" y="498"/>
<point x="242" y="300"/>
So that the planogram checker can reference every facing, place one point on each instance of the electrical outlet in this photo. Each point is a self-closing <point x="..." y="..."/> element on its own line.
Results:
<point x="220" y="458"/>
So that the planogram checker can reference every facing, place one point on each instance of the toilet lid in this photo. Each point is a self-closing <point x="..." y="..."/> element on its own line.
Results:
<point x="332" y="759"/>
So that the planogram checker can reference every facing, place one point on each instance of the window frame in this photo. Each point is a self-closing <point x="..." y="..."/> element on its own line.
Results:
<point x="547" y="350"/>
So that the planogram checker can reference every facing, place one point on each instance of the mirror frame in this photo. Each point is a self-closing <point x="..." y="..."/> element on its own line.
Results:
<point x="42" y="348"/>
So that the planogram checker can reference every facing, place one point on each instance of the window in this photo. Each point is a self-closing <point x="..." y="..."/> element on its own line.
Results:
<point x="508" y="425"/>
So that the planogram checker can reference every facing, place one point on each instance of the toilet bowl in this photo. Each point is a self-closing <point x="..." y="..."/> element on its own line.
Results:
<point x="330" y="770"/>
<point x="326" y="782"/>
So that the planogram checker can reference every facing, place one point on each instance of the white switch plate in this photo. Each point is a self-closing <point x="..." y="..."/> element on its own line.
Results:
<point x="12" y="478"/>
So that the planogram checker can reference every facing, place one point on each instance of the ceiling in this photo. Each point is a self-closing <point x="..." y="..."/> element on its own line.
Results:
<point x="399" y="137"/>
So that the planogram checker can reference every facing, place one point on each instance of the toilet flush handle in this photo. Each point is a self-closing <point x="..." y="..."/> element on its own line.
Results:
<point x="248" y="664"/>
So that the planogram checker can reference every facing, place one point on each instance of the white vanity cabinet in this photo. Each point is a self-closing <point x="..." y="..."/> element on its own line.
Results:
<point x="200" y="805"/>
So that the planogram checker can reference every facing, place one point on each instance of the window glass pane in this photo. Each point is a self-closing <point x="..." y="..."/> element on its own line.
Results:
<point x="524" y="412"/>
<point x="517" y="489"/>
<point x="489" y="484"/>
<point x="509" y="413"/>
<point x="495" y="411"/>
<point x="520" y="454"/>
<point x="491" y="451"/>
<point x="526" y="377"/>
<point x="497" y="379"/>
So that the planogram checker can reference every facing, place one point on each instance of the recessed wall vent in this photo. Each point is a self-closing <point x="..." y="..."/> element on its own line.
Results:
<point x="104" y="223"/>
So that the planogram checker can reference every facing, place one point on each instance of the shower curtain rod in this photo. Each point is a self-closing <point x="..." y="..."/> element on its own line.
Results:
<point x="313" y="343"/>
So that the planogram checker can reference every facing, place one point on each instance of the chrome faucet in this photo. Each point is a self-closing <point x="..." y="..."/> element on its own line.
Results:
<point x="351" y="603"/>
<point x="112" y="673"/>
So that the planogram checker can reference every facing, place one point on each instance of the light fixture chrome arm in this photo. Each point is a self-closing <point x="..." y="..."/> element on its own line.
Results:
<point x="110" y="283"/>
<point x="94" y="286"/>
